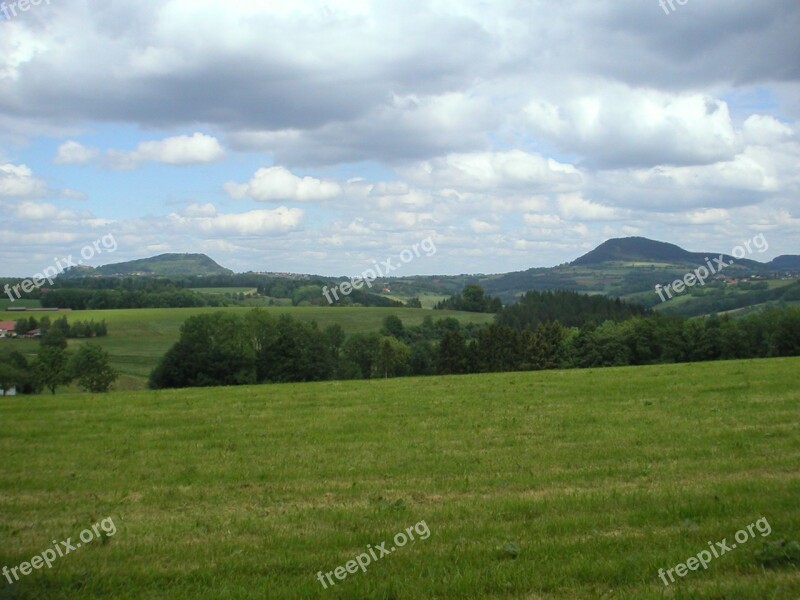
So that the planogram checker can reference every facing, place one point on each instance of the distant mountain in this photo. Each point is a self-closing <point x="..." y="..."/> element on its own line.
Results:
<point x="633" y="249"/>
<point x="164" y="265"/>
<point x="787" y="262"/>
<point x="639" y="249"/>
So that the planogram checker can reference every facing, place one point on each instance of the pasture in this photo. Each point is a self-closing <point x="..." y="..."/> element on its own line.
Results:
<point x="548" y="485"/>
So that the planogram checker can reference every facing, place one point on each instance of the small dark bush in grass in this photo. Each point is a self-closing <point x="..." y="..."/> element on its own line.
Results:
<point x="510" y="550"/>
<point x="779" y="553"/>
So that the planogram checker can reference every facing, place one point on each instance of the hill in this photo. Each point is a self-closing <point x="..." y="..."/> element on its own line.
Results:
<point x="627" y="268"/>
<point x="639" y="249"/>
<point x="789" y="262"/>
<point x="630" y="268"/>
<point x="164" y="265"/>
<point x="634" y="249"/>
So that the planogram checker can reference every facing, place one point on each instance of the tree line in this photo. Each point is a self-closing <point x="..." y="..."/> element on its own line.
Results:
<point x="78" y="329"/>
<point x="223" y="349"/>
<point x="54" y="366"/>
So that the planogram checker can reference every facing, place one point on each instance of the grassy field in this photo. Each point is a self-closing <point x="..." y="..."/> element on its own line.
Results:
<point x="5" y="303"/>
<point x="560" y="484"/>
<point x="138" y="338"/>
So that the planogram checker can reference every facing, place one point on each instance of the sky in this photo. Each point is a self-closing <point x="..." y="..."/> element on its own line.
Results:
<point x="320" y="136"/>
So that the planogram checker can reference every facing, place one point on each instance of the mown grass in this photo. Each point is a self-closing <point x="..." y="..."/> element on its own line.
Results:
<point x="138" y="338"/>
<point x="598" y="477"/>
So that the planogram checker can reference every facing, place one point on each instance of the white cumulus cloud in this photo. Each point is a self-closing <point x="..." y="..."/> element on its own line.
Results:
<point x="75" y="153"/>
<point x="181" y="150"/>
<point x="492" y="170"/>
<point x="254" y="222"/>
<point x="273" y="184"/>
<point x="17" y="181"/>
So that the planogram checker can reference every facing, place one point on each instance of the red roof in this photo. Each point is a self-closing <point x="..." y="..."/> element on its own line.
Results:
<point x="8" y="326"/>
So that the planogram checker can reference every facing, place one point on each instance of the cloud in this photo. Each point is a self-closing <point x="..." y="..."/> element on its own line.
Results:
<point x="708" y="216"/>
<point x="550" y="227"/>
<point x="526" y="133"/>
<point x="479" y="226"/>
<point x="417" y="126"/>
<point x="484" y="171"/>
<point x="764" y="130"/>
<point x="36" y="211"/>
<point x="74" y="153"/>
<point x="619" y="126"/>
<point x="254" y="222"/>
<point x="752" y="176"/>
<point x="17" y="181"/>
<point x="279" y="184"/>
<point x="73" y="194"/>
<point x="180" y="150"/>
<point x="199" y="210"/>
<point x="575" y="207"/>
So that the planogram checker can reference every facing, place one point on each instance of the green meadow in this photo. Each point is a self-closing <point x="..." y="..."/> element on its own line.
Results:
<point x="138" y="338"/>
<point x="546" y="485"/>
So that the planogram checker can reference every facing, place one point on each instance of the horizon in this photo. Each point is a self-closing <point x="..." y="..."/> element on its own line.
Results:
<point x="763" y="257"/>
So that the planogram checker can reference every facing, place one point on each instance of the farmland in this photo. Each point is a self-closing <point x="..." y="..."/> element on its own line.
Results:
<point x="137" y="338"/>
<point x="557" y="484"/>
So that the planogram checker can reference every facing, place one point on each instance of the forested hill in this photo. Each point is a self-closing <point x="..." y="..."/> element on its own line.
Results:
<point x="164" y="265"/>
<point x="639" y="249"/>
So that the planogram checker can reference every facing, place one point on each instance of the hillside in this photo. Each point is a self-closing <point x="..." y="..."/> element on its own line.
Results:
<point x="635" y="249"/>
<point x="789" y="262"/>
<point x="628" y="268"/>
<point x="558" y="485"/>
<point x="164" y="265"/>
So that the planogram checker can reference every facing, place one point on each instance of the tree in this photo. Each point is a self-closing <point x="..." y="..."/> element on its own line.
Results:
<point x="50" y="369"/>
<point x="498" y="349"/>
<point x="393" y="326"/>
<point x="10" y="377"/>
<point x="421" y="360"/>
<point x="300" y="352"/>
<point x="91" y="367"/>
<point x="214" y="349"/>
<point x="23" y="326"/>
<point x="542" y="346"/>
<point x="362" y="350"/>
<point x="452" y="356"/>
<point x="471" y="299"/>
<point x="23" y="380"/>
<point x="393" y="357"/>
<point x="308" y="295"/>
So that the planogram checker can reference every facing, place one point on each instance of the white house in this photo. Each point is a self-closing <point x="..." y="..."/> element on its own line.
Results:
<point x="11" y="392"/>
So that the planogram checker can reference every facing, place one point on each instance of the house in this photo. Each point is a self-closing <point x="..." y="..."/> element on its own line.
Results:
<point x="11" y="392"/>
<point x="7" y="328"/>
